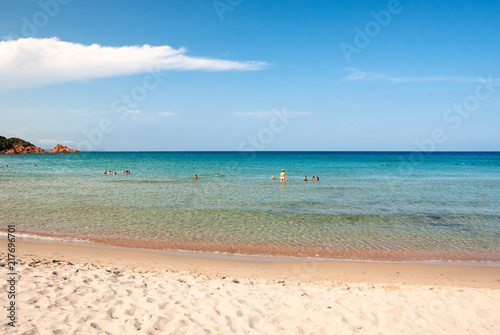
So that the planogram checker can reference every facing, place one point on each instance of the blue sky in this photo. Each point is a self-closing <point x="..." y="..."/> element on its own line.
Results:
<point x="251" y="75"/>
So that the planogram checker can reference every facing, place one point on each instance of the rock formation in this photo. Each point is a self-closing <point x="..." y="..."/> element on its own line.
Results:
<point x="13" y="146"/>
<point x="62" y="149"/>
<point x="20" y="149"/>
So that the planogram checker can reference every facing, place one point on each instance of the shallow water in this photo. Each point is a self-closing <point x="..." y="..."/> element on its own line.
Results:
<point x="444" y="206"/>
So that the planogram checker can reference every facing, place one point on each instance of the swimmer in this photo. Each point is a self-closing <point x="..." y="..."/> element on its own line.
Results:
<point x="105" y="172"/>
<point x="123" y="171"/>
<point x="305" y="179"/>
<point x="195" y="176"/>
<point x="317" y="178"/>
<point x="313" y="178"/>
<point x="217" y="175"/>
<point x="272" y="177"/>
<point x="282" y="175"/>
<point x="110" y="172"/>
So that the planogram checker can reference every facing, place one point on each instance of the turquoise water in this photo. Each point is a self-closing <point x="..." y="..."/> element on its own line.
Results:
<point x="444" y="206"/>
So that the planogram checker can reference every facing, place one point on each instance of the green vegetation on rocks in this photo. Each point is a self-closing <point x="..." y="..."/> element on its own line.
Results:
<point x="8" y="143"/>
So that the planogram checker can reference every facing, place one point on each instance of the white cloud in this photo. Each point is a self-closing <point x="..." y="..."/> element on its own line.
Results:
<point x="13" y="133"/>
<point x="268" y="114"/>
<point x="435" y="78"/>
<point x="166" y="114"/>
<point x="46" y="141"/>
<point x="132" y="112"/>
<point x="32" y="62"/>
<point x="357" y="74"/>
<point x="55" y="142"/>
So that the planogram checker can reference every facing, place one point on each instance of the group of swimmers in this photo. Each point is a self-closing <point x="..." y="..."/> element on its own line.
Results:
<point x="114" y="173"/>
<point x="282" y="176"/>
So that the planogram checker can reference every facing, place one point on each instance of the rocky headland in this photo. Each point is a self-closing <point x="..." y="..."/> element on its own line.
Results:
<point x="14" y="146"/>
<point x="61" y="149"/>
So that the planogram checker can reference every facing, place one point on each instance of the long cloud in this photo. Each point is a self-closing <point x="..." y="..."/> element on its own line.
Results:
<point x="32" y="62"/>
<point x="268" y="114"/>
<point x="357" y="75"/>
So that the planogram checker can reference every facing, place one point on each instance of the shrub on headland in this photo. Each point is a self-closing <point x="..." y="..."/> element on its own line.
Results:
<point x="8" y="143"/>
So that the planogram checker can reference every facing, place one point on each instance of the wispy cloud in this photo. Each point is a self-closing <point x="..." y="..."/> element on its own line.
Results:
<point x="268" y="114"/>
<point x="132" y="112"/>
<point x="356" y="74"/>
<point x="13" y="133"/>
<point x="32" y="62"/>
<point x="166" y="114"/>
<point x="55" y="142"/>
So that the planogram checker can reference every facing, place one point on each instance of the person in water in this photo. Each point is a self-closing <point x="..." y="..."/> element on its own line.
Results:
<point x="313" y="178"/>
<point x="195" y="176"/>
<point x="283" y="175"/>
<point x="272" y="177"/>
<point x="305" y="178"/>
<point x="317" y="178"/>
<point x="105" y="172"/>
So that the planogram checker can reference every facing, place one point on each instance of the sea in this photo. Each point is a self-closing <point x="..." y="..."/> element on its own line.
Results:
<point x="379" y="206"/>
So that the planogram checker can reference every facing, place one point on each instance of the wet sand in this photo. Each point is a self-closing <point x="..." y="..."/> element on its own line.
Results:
<point x="392" y="255"/>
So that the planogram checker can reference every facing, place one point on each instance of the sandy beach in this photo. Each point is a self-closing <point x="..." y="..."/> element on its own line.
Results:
<point x="71" y="289"/>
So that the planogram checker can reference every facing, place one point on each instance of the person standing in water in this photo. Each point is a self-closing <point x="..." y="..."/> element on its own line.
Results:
<point x="195" y="176"/>
<point x="283" y="175"/>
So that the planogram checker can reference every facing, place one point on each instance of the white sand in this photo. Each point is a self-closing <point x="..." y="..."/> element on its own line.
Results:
<point x="72" y="297"/>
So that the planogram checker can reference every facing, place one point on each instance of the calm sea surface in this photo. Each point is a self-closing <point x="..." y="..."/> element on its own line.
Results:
<point x="367" y="205"/>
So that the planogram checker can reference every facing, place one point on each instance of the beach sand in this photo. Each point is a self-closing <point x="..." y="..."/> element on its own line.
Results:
<point x="72" y="289"/>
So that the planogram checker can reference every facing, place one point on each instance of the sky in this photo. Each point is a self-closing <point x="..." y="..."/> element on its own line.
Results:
<point x="229" y="75"/>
